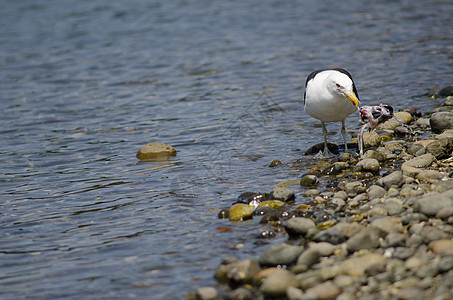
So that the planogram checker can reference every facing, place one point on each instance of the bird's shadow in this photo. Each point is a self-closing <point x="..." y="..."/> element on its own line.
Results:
<point x="333" y="148"/>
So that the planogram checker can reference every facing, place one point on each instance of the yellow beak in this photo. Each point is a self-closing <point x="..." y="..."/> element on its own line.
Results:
<point x="351" y="96"/>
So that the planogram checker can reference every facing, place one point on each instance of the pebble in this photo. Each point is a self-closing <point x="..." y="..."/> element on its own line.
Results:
<point x="309" y="180"/>
<point x="283" y="194"/>
<point x="429" y="176"/>
<point x="276" y="284"/>
<point x="441" y="121"/>
<point x="371" y="139"/>
<point x="442" y="246"/>
<point x="441" y="148"/>
<point x="430" y="204"/>
<point x="240" y="212"/>
<point x="368" y="165"/>
<point x="308" y="258"/>
<point x="446" y="91"/>
<point x="331" y="235"/>
<point x="207" y="293"/>
<point x="376" y="191"/>
<point x="356" y="266"/>
<point x="299" y="226"/>
<point x="374" y="154"/>
<point x="280" y="254"/>
<point x="368" y="238"/>
<point x="387" y="224"/>
<point x="414" y="166"/>
<point x="325" y="290"/>
<point x="155" y="150"/>
<point x="366" y="235"/>
<point x="393" y="179"/>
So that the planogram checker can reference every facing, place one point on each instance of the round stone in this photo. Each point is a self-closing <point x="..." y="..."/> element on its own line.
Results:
<point x="153" y="151"/>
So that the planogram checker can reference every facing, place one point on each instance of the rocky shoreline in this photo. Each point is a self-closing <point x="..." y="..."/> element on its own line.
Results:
<point x="378" y="227"/>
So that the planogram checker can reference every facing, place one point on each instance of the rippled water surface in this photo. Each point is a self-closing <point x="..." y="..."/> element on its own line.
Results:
<point x="84" y="84"/>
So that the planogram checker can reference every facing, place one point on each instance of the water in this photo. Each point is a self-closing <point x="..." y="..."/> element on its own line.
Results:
<point x="84" y="84"/>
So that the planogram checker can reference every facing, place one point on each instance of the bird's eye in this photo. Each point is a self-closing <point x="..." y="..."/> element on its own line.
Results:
<point x="338" y="86"/>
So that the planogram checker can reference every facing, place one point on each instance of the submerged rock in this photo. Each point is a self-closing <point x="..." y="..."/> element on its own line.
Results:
<point x="446" y="91"/>
<point x="154" y="151"/>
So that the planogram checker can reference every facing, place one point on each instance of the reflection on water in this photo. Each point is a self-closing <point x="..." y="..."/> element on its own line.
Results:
<point x="86" y="84"/>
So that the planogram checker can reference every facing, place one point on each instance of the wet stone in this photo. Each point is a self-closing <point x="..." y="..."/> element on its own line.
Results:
<point x="309" y="257"/>
<point x="445" y="92"/>
<point x="309" y="180"/>
<point x="155" y="150"/>
<point x="240" y="212"/>
<point x="275" y="163"/>
<point x="283" y="194"/>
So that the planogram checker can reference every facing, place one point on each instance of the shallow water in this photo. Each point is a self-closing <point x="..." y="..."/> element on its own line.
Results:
<point x="85" y="84"/>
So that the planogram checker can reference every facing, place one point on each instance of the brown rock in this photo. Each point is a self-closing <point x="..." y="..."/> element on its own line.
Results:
<point x="155" y="151"/>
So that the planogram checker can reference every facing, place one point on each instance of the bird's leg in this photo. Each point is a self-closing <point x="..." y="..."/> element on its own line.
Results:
<point x="326" y="152"/>
<point x="343" y="133"/>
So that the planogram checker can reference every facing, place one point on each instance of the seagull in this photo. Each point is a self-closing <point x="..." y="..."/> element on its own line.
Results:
<point x="330" y="96"/>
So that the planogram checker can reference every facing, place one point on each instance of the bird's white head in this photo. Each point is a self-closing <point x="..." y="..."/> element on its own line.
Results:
<point x="341" y="84"/>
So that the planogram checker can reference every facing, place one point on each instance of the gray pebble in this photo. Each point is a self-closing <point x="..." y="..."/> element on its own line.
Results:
<point x="331" y="235"/>
<point x="282" y="194"/>
<point x="440" y="121"/>
<point x="395" y="239"/>
<point x="242" y="293"/>
<point x="368" y="238"/>
<point x="354" y="188"/>
<point x="430" y="204"/>
<point x="299" y="226"/>
<point x="368" y="165"/>
<point x="393" y="206"/>
<point x="441" y="148"/>
<point x="280" y="254"/>
<point x="309" y="257"/>
<point x="445" y="212"/>
<point x="394" y="179"/>
<point x="376" y="191"/>
<point x="276" y="284"/>
<point x="206" y="293"/>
